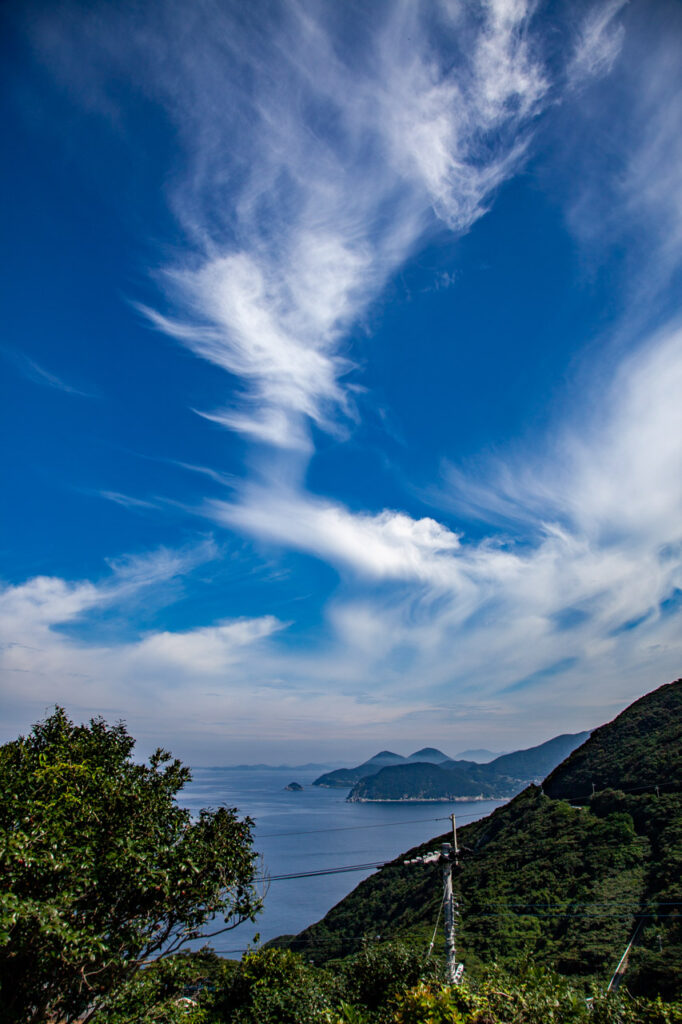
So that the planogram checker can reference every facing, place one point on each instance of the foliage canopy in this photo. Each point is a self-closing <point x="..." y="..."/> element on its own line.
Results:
<point x="100" y="870"/>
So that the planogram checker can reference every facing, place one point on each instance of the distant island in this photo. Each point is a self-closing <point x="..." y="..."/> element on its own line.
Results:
<point x="294" y="787"/>
<point x="430" y="775"/>
<point x="343" y="778"/>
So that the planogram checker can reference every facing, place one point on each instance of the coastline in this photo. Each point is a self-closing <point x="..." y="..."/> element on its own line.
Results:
<point x="426" y="799"/>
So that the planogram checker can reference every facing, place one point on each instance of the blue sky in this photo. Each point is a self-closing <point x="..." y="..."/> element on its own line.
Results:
<point x="342" y="357"/>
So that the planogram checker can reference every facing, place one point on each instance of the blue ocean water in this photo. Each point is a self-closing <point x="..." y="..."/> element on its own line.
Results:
<point x="313" y="830"/>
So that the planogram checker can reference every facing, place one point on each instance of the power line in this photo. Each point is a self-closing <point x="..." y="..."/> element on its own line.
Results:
<point x="560" y="906"/>
<point x="356" y="828"/>
<point x="663" y="784"/>
<point x="624" y="917"/>
<point x="322" y="871"/>
<point x="511" y="910"/>
<point x="342" y="940"/>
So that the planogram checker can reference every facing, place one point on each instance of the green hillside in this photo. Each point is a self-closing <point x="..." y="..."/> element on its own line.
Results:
<point x="432" y="782"/>
<point x="542" y="878"/>
<point x="642" y="747"/>
<point x="344" y="778"/>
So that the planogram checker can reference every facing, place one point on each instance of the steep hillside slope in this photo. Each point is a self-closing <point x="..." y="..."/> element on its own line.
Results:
<point x="642" y="747"/>
<point x="543" y="878"/>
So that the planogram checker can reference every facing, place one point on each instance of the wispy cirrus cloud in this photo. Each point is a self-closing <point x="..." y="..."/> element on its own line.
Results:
<point x="579" y="577"/>
<point x="38" y="374"/>
<point x="579" y="581"/>
<point x="599" y="42"/>
<point x="42" y="646"/>
<point x="387" y="545"/>
<point x="314" y="170"/>
<point x="127" y="500"/>
<point x="44" y="601"/>
<point x="611" y="471"/>
<point x="352" y="156"/>
<point x="627" y="191"/>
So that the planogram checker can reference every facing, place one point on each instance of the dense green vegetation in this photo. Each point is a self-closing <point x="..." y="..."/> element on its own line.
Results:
<point x="100" y="870"/>
<point x="381" y="984"/>
<point x="562" y="884"/>
<point x="453" y="780"/>
<point x="640" y="749"/>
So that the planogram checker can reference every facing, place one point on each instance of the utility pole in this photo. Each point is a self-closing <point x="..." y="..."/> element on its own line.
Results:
<point x="449" y="913"/>
<point x="446" y="858"/>
<point x="454" y="837"/>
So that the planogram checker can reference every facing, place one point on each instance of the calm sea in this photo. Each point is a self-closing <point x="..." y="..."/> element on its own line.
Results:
<point x="310" y="831"/>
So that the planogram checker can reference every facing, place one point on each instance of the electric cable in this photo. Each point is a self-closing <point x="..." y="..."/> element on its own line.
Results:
<point x="460" y="817"/>
<point x="435" y="930"/>
<point x="321" y="871"/>
<point x="357" y="828"/>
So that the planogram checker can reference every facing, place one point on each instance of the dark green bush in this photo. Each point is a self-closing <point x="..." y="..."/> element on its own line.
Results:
<point x="276" y="986"/>
<point x="377" y="973"/>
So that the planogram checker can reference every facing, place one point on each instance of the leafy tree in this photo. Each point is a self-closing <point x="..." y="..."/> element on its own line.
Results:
<point x="276" y="986"/>
<point x="179" y="989"/>
<point x="101" y="871"/>
<point x="373" y="976"/>
<point x="531" y="996"/>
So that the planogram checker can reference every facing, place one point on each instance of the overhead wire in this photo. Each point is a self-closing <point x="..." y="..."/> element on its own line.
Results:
<point x="321" y="871"/>
<point x="435" y="929"/>
<point x="511" y="910"/>
<point x="357" y="828"/>
<point x="661" y="784"/>
<point x="343" y="940"/>
<point x="375" y="864"/>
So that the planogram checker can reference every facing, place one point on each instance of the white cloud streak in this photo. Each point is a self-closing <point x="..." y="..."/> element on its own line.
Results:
<point x="44" y="661"/>
<point x="431" y="636"/>
<point x="36" y="373"/>
<point x="627" y="187"/>
<point x="588" y="589"/>
<point x="389" y="545"/>
<point x="599" y="42"/>
<point x="344" y="162"/>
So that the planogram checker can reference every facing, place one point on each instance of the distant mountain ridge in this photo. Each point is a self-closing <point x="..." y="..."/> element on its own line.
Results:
<point x="428" y="755"/>
<point x="429" y="774"/>
<point x="448" y="780"/>
<point x="344" y="778"/>
<point x="479" y="755"/>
